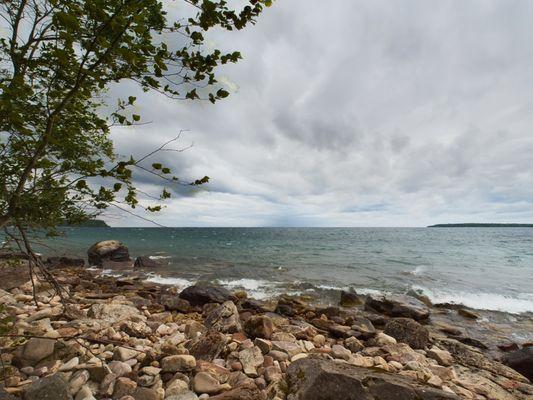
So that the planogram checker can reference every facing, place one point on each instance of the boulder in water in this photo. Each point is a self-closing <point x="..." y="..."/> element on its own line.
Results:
<point x="108" y="251"/>
<point x="199" y="295"/>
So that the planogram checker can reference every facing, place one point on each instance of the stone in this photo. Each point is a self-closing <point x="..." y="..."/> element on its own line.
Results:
<point x="187" y="395"/>
<point x="443" y="357"/>
<point x="521" y="361"/>
<point x="178" y="363"/>
<point x="320" y="379"/>
<point x="363" y="326"/>
<point x="398" y="306"/>
<point x="407" y="330"/>
<point x="62" y="262"/>
<point x="123" y="387"/>
<point x="245" y="391"/>
<point x="251" y="359"/>
<point x="350" y="299"/>
<point x="145" y="262"/>
<point x="78" y="379"/>
<point x="338" y="351"/>
<point x="259" y="326"/>
<point x="467" y="313"/>
<point x="207" y="347"/>
<point x="225" y="318"/>
<point x="263" y="344"/>
<point x="382" y="339"/>
<point x="203" y="382"/>
<point x="124" y="354"/>
<point x="199" y="295"/>
<point x="115" y="312"/>
<point x="33" y="351"/>
<point x="48" y="388"/>
<point x="142" y="393"/>
<point x="353" y="344"/>
<point x="119" y="368"/>
<point x="107" y="250"/>
<point x="174" y="303"/>
<point x="287" y="347"/>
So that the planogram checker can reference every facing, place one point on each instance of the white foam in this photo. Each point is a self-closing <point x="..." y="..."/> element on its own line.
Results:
<point x="333" y="287"/>
<point x="110" y="272"/>
<point x="171" y="281"/>
<point x="419" y="270"/>
<point x="257" y="288"/>
<point x="522" y="303"/>
<point x="159" y="257"/>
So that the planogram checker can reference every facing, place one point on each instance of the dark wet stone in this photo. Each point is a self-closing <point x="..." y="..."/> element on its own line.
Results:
<point x="398" y="306"/>
<point x="199" y="295"/>
<point x="350" y="299"/>
<point x="521" y="361"/>
<point x="145" y="262"/>
<point x="319" y="379"/>
<point x="407" y="330"/>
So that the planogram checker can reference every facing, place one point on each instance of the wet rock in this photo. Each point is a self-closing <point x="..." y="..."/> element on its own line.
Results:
<point x="398" y="306"/>
<point x="521" y="361"/>
<point x="48" y="388"/>
<point x="33" y="351"/>
<point x="145" y="262"/>
<point x="225" y="318"/>
<point x="290" y="306"/>
<point x="319" y="379"/>
<point x="407" y="330"/>
<point x="174" y="303"/>
<point x="207" y="347"/>
<point x="350" y="299"/>
<point x="199" y="295"/>
<point x="259" y="326"/>
<point x="108" y="250"/>
<point x="335" y="329"/>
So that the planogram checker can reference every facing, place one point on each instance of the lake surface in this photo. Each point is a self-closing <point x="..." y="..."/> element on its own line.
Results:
<point x="484" y="268"/>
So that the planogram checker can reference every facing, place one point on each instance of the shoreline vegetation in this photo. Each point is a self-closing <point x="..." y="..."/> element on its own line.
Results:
<point x="481" y="225"/>
<point x="125" y="338"/>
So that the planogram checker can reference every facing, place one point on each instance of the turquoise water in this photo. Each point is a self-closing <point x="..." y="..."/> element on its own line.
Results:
<point x="485" y="268"/>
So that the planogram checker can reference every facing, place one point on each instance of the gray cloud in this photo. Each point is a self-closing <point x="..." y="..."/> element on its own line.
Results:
<point x="359" y="113"/>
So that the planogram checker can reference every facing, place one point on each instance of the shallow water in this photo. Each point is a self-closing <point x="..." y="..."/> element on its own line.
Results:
<point x="483" y="268"/>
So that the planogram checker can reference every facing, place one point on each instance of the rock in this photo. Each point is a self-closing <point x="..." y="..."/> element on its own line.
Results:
<point x="107" y="250"/>
<point x="114" y="312"/>
<point x="467" y="313"/>
<point x="290" y="306"/>
<point x="319" y="379"/>
<point x="178" y="363"/>
<point x="124" y="387"/>
<point x="6" y="396"/>
<point x="78" y="379"/>
<point x="49" y="388"/>
<point x="246" y="391"/>
<point x="353" y="344"/>
<point x="142" y="393"/>
<point x="287" y="347"/>
<point x="521" y="361"/>
<point x="33" y="351"/>
<point x="199" y="295"/>
<point x="207" y="347"/>
<point x="62" y="262"/>
<point x="382" y="339"/>
<point x="205" y="383"/>
<point x="119" y="368"/>
<point x="145" y="262"/>
<point x="398" y="306"/>
<point x="259" y="326"/>
<point x="350" y="299"/>
<point x="187" y="395"/>
<point x="124" y="354"/>
<point x="363" y="326"/>
<point x="338" y="351"/>
<point x="407" y="330"/>
<point x="225" y="318"/>
<point x="174" y="303"/>
<point x="443" y="357"/>
<point x="251" y="359"/>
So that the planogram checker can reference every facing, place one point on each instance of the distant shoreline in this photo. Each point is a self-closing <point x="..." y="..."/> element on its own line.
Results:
<point x="477" y="225"/>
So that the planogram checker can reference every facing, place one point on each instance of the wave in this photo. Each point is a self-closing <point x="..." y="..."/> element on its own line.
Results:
<point x="159" y="257"/>
<point x="167" y="280"/>
<point x="256" y="288"/>
<point x="522" y="303"/>
<point x="110" y="272"/>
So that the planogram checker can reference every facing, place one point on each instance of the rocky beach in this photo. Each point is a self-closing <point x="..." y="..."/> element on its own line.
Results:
<point x="128" y="339"/>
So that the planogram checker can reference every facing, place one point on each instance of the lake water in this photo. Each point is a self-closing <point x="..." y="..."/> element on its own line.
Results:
<point x="484" y="268"/>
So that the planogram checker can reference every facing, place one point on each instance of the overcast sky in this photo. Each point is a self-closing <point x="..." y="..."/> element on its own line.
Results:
<point x="358" y="113"/>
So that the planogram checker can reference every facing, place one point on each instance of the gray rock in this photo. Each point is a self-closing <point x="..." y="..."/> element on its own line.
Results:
<point x="108" y="250"/>
<point x="33" y="351"/>
<point x="49" y="388"/>
<point x="174" y="303"/>
<point x="398" y="306"/>
<point x="320" y="379"/>
<point x="407" y="330"/>
<point x="114" y="312"/>
<point x="199" y="295"/>
<point x="225" y="318"/>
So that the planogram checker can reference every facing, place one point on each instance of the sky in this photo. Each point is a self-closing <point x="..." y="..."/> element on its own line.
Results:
<point x="355" y="113"/>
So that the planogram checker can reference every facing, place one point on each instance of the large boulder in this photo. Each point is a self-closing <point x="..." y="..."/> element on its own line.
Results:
<point x="398" y="306"/>
<point x="49" y="388"/>
<point x="198" y="295"/>
<point x="407" y="330"/>
<point x="108" y="252"/>
<point x="320" y="379"/>
<point x="521" y="361"/>
<point x="145" y="262"/>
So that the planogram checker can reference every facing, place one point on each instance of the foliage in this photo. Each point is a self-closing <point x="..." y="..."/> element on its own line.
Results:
<point x="57" y="59"/>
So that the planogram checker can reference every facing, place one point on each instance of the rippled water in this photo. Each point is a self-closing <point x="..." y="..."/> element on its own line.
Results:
<point x="485" y="268"/>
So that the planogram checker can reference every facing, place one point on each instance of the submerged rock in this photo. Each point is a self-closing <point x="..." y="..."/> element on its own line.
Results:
<point x="108" y="250"/>
<point x="320" y="379"/>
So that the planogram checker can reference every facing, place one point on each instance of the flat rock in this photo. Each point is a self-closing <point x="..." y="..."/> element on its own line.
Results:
<point x="198" y="295"/>
<point x="49" y="388"/>
<point x="320" y="379"/>
<point x="398" y="306"/>
<point x="114" y="312"/>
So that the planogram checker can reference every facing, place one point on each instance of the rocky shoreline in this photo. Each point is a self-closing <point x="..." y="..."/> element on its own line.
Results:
<point x="124" y="338"/>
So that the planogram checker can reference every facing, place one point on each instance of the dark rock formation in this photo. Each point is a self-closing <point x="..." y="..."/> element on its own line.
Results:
<point x="521" y="361"/>
<point x="108" y="251"/>
<point x="350" y="299"/>
<point x="145" y="262"/>
<point x="199" y="295"/>
<point x="398" y="306"/>
<point x="407" y="330"/>
<point x="321" y="379"/>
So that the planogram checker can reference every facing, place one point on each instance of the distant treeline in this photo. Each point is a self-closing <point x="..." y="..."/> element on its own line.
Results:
<point x="476" y="225"/>
<point x="94" y="223"/>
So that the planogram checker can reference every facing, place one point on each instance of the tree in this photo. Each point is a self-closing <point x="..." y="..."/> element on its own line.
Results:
<point x="57" y="59"/>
